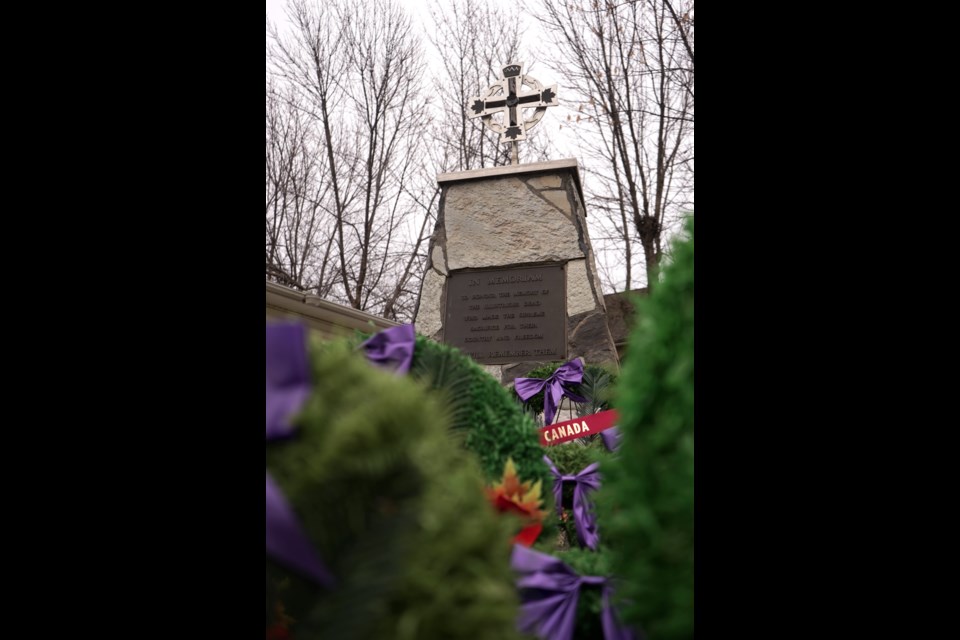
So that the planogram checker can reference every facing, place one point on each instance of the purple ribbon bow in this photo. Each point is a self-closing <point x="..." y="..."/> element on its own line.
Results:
<point x="611" y="438"/>
<point x="570" y="373"/>
<point x="586" y="481"/>
<point x="288" y="385"/>
<point x="392" y="348"/>
<point x="550" y="590"/>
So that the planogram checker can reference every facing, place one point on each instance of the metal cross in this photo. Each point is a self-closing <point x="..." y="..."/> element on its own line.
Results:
<point x="508" y="98"/>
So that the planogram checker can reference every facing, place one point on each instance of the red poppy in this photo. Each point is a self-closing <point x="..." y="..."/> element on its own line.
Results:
<point x="523" y="498"/>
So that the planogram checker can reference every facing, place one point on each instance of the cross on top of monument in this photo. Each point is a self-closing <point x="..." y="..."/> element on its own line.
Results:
<point x="508" y="98"/>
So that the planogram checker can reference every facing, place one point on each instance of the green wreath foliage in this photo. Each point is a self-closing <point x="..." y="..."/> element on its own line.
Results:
<point x="559" y="537"/>
<point x="646" y="504"/>
<point x="568" y="458"/>
<point x="489" y="421"/>
<point x="597" y="387"/>
<point x="395" y="509"/>
<point x="480" y="411"/>
<point x="590" y="605"/>
<point x="573" y="457"/>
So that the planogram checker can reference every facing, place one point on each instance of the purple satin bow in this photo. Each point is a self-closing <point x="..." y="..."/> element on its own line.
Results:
<point x="392" y="348"/>
<point x="550" y="590"/>
<point x="288" y="385"/>
<point x="570" y="373"/>
<point x="586" y="481"/>
<point x="611" y="438"/>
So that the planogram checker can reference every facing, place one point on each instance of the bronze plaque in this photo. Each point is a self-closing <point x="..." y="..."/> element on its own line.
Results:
<point x="508" y="315"/>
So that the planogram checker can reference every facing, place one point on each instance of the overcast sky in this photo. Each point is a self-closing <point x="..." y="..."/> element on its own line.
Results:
<point x="531" y="36"/>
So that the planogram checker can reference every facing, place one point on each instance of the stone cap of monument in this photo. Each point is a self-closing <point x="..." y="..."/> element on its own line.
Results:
<point x="551" y="166"/>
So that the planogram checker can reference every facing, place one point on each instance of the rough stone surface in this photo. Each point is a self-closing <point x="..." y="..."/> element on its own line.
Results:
<point x="520" y="370"/>
<point x="494" y="370"/>
<point x="578" y="203"/>
<point x="429" y="320"/>
<point x="597" y="287"/>
<point x="559" y="199"/>
<point x="621" y="313"/>
<point x="497" y="222"/>
<point x="438" y="262"/>
<point x="579" y="292"/>
<point x="622" y="316"/>
<point x="589" y="337"/>
<point x="546" y="182"/>
<point x="567" y="165"/>
<point x="566" y="411"/>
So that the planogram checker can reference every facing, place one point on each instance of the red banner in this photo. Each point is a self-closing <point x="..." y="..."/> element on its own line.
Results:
<point x="578" y="427"/>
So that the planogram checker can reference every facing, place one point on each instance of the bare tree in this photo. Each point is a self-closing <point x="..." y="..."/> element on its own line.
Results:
<point x="298" y="245"/>
<point x="357" y="77"/>
<point x="630" y="64"/>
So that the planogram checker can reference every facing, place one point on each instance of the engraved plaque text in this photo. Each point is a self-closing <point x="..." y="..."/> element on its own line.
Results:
<point x="500" y="316"/>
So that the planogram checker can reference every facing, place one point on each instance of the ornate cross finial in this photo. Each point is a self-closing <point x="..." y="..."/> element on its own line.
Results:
<point x="508" y="98"/>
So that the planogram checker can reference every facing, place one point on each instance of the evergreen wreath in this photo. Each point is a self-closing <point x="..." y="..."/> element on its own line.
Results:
<point x="396" y="511"/>
<point x="647" y="502"/>
<point x="479" y="411"/>
<point x="596" y="386"/>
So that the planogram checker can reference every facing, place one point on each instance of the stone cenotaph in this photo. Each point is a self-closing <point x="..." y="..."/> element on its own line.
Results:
<point x="511" y="278"/>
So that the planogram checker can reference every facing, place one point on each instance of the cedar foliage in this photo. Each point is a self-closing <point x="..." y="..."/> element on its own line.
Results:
<point x="646" y="506"/>
<point x="480" y="411"/>
<point x="395" y="509"/>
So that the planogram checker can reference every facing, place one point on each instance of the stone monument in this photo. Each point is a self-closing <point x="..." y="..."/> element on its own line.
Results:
<point x="511" y="278"/>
